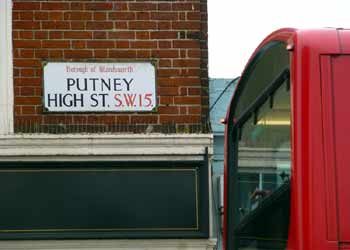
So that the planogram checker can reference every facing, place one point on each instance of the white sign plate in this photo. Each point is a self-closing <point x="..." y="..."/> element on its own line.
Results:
<point x="99" y="87"/>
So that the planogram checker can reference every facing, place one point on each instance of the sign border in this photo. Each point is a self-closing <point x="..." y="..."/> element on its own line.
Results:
<point x="46" y="111"/>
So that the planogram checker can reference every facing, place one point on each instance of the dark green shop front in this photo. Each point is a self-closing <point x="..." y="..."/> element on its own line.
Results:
<point x="62" y="200"/>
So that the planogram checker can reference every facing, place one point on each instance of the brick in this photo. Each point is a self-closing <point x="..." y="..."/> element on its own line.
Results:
<point x="33" y="5"/>
<point x="183" y="110"/>
<point x="194" y="110"/>
<point x="33" y="100"/>
<point x="15" y="15"/>
<point x="100" y="35"/>
<point x="56" y="54"/>
<point x="168" y="72"/>
<point x="164" y="63"/>
<point x="165" y="53"/>
<point x="189" y="25"/>
<point x="17" y="91"/>
<point x="55" y="25"/>
<point x="142" y="25"/>
<point x="122" y="44"/>
<point x="164" y="25"/>
<point x="187" y="100"/>
<point x="187" y="44"/>
<point x="26" y="35"/>
<point x="56" y="44"/>
<point x="41" y="15"/>
<point x="41" y="35"/>
<point x="166" y="100"/>
<point x="101" y="53"/>
<point x="182" y="16"/>
<point x="77" y="54"/>
<point x="16" y="72"/>
<point x="186" y="63"/>
<point x="164" y="44"/>
<point x="77" y="6"/>
<point x="144" y="44"/>
<point x="27" y="43"/>
<point x="27" y="91"/>
<point x="99" y="25"/>
<point x="168" y="91"/>
<point x="42" y="53"/>
<point x="26" y="63"/>
<point x="99" y="6"/>
<point x="122" y="53"/>
<point x="194" y="53"/>
<point x="78" y="16"/>
<point x="183" y="91"/>
<point x="122" y="119"/>
<point x="170" y="110"/>
<point x="100" y="44"/>
<point x="143" y="16"/>
<point x="30" y="81"/>
<point x="119" y="15"/>
<point x="25" y="72"/>
<point x="142" y="6"/>
<point x="194" y="91"/>
<point x="164" y="16"/>
<point x="77" y="25"/>
<point x="120" y="25"/>
<point x="28" y="110"/>
<point x="78" y="44"/>
<point x="163" y="35"/>
<point x="55" y="34"/>
<point x="180" y="81"/>
<point x="142" y="35"/>
<point x="193" y="16"/>
<point x="56" y="16"/>
<point x="27" y="53"/>
<point x="164" y="6"/>
<point x="185" y="7"/>
<point x="77" y="34"/>
<point x="27" y="15"/>
<point x="121" y="35"/>
<point x="54" y="6"/>
<point x="143" y="54"/>
<point x="100" y="16"/>
<point x="17" y="111"/>
<point x="29" y="25"/>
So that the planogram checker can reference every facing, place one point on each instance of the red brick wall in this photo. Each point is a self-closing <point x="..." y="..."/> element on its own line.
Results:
<point x="173" y="33"/>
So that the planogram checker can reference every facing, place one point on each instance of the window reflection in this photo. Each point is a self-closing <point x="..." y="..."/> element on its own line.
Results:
<point x="263" y="161"/>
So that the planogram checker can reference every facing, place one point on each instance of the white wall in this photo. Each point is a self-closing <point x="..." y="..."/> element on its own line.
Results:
<point x="6" y="66"/>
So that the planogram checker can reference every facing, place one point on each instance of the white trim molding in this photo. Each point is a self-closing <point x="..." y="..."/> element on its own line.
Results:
<point x="135" y="147"/>
<point x="175" y="244"/>
<point x="6" y="68"/>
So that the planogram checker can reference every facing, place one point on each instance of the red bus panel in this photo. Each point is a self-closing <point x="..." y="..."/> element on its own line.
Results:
<point x="340" y="93"/>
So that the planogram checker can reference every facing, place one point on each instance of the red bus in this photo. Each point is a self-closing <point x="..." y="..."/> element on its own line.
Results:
<point x="287" y="165"/>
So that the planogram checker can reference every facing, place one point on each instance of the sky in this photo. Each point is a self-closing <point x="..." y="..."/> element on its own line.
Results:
<point x="236" y="27"/>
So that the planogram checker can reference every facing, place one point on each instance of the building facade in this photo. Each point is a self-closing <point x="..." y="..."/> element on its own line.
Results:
<point x="105" y="137"/>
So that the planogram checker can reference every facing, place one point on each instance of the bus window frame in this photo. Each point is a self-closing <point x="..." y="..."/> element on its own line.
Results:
<point x="234" y="132"/>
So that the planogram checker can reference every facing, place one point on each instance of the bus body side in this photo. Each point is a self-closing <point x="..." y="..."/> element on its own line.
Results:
<point x="320" y="186"/>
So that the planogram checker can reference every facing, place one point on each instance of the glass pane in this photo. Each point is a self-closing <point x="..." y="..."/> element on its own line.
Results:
<point x="264" y="166"/>
<point x="273" y="62"/>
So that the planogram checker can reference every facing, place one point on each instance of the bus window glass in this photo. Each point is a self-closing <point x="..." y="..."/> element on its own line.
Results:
<point x="274" y="60"/>
<point x="263" y="164"/>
